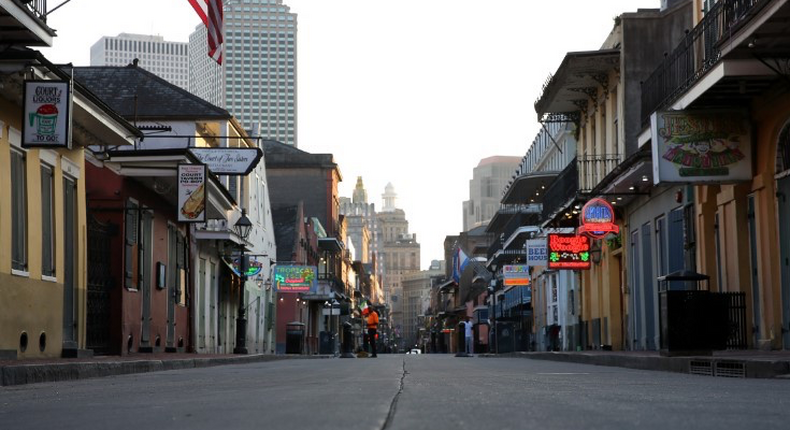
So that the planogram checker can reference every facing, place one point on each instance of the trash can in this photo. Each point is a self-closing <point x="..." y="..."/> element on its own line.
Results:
<point x="294" y="337"/>
<point x="326" y="343"/>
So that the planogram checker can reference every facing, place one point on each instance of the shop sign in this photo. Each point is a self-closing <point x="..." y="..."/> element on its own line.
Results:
<point x="254" y="266"/>
<point x="46" y="114"/>
<point x="597" y="219"/>
<point x="192" y="192"/>
<point x="515" y="274"/>
<point x="701" y="146"/>
<point x="568" y="251"/>
<point x="295" y="279"/>
<point x="536" y="252"/>
<point x="228" y="161"/>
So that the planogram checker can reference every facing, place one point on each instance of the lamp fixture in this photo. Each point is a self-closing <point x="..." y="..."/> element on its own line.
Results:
<point x="644" y="178"/>
<point x="243" y="226"/>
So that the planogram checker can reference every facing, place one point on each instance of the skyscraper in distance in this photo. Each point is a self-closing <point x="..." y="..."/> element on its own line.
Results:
<point x="257" y="80"/>
<point x="168" y="60"/>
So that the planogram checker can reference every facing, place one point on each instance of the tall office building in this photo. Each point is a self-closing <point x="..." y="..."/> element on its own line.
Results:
<point x="257" y="80"/>
<point x="168" y="60"/>
<point x="489" y="179"/>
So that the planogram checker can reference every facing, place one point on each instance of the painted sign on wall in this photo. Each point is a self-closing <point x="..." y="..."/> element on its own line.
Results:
<point x="228" y="161"/>
<point x="515" y="274"/>
<point x="701" y="146"/>
<point x="46" y="114"/>
<point x="295" y="279"/>
<point x="568" y="251"/>
<point x="597" y="219"/>
<point x="536" y="252"/>
<point x="192" y="192"/>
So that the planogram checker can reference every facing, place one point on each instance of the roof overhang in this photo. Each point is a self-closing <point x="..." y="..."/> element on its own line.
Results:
<point x="530" y="211"/>
<point x="517" y="239"/>
<point x="157" y="170"/>
<point x="23" y="24"/>
<point x="331" y="244"/>
<point x="578" y="75"/>
<point x="529" y="188"/>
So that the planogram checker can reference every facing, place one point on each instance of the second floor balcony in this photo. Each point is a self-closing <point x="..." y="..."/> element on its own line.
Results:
<point x="593" y="168"/>
<point x="24" y="23"/>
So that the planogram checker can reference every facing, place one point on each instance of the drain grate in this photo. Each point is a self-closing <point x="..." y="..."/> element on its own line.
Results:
<point x="700" y="367"/>
<point x="730" y="369"/>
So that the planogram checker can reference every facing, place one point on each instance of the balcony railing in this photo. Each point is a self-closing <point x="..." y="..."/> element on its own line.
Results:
<point x="593" y="168"/>
<point x="697" y="53"/>
<point x="561" y="190"/>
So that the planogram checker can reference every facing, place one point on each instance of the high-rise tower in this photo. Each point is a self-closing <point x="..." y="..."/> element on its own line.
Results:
<point x="257" y="80"/>
<point x="168" y="60"/>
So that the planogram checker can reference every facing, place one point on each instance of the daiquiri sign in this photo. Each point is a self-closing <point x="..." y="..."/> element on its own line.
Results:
<point x="701" y="146"/>
<point x="46" y="116"/>
<point x="597" y="219"/>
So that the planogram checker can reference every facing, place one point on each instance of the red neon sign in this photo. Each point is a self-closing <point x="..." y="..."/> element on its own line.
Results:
<point x="568" y="251"/>
<point x="597" y="219"/>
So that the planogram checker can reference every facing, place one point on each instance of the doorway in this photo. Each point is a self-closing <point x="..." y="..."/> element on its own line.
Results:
<point x="783" y="212"/>
<point x="69" y="271"/>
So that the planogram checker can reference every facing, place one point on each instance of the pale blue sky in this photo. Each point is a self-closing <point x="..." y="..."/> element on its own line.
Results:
<point x="413" y="92"/>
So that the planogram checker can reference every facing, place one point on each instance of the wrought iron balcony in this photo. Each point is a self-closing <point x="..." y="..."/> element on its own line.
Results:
<point x="697" y="53"/>
<point x="564" y="189"/>
<point x="37" y="7"/>
<point x="593" y="168"/>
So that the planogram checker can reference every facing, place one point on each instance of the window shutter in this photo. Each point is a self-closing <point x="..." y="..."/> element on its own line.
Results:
<point x="131" y="235"/>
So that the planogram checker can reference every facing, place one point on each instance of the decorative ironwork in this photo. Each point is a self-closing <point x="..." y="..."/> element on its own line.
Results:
<point x="568" y="117"/>
<point x="582" y="105"/>
<point x="563" y="189"/>
<point x="591" y="92"/>
<point x="593" y="168"/>
<point x="100" y="282"/>
<point x="696" y="54"/>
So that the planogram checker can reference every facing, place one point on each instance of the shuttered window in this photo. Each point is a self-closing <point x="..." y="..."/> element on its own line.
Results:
<point x="47" y="222"/>
<point x="131" y="244"/>
<point x="18" y="211"/>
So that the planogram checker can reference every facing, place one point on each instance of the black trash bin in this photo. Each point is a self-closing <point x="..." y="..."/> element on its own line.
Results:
<point x="326" y="343"/>
<point x="294" y="337"/>
<point x="693" y="321"/>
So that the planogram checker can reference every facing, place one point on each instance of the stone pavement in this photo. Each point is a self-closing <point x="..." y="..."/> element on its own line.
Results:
<point x="740" y="364"/>
<point x="19" y="372"/>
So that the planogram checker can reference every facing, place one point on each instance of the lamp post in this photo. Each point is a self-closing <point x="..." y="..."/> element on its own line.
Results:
<point x="242" y="229"/>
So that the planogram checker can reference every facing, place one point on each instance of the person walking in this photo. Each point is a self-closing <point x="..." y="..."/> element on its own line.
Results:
<point x="468" y="334"/>
<point x="373" y="326"/>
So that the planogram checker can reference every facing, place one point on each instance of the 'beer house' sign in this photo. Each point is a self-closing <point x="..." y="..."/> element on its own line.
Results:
<point x="568" y="251"/>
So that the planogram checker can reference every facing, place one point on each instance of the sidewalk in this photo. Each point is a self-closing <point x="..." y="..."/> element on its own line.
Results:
<point x="19" y="372"/>
<point x="733" y="364"/>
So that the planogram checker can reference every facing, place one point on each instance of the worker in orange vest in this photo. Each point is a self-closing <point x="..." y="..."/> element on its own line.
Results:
<point x="373" y="325"/>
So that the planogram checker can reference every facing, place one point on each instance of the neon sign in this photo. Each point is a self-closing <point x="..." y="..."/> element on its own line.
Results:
<point x="295" y="279"/>
<point x="598" y="219"/>
<point x="568" y="251"/>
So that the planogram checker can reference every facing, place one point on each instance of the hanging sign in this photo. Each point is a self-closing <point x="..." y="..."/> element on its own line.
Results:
<point x="536" y="252"/>
<point x="192" y="192"/>
<point x="568" y="251"/>
<point x="228" y="161"/>
<point x="295" y="279"/>
<point x="46" y="114"/>
<point x="701" y="146"/>
<point x="515" y="274"/>
<point x="597" y="219"/>
<point x="254" y="267"/>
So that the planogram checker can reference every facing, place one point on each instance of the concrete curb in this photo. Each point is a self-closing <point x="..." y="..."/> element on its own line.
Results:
<point x="52" y="372"/>
<point x="710" y="366"/>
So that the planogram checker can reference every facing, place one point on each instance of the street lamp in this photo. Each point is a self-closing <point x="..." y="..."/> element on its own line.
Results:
<point x="242" y="229"/>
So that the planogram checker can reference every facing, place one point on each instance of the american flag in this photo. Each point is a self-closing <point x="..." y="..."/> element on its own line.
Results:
<point x="210" y="11"/>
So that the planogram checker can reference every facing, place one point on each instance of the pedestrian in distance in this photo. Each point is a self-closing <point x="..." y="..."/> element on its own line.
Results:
<point x="373" y="326"/>
<point x="468" y="334"/>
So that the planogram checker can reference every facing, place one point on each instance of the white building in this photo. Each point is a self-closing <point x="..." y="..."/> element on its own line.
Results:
<point x="489" y="178"/>
<point x="257" y="80"/>
<point x="168" y="60"/>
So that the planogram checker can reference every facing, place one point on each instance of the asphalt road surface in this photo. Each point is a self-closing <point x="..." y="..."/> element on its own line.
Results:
<point x="400" y="392"/>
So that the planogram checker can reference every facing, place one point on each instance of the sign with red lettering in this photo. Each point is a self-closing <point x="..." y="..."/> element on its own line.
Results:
<point x="568" y="251"/>
<point x="295" y="279"/>
<point x="597" y="219"/>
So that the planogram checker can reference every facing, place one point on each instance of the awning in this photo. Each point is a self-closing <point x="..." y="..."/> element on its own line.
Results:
<point x="576" y="81"/>
<point x="157" y="170"/>
<point x="330" y="244"/>
<point x="529" y="188"/>
<point x="446" y="286"/>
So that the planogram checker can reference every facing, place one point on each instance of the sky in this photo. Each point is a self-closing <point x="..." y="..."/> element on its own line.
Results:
<point x="412" y="92"/>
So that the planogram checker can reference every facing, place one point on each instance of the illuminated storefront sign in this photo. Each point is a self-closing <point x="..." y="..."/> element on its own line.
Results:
<point x="568" y="251"/>
<point x="597" y="219"/>
<point x="295" y="279"/>
<point x="515" y="274"/>
<point x="536" y="252"/>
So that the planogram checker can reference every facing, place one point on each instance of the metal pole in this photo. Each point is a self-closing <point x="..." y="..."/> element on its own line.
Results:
<point x="241" y="322"/>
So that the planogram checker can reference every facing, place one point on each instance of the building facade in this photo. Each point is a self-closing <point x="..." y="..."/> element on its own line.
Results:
<point x="257" y="80"/>
<point x="168" y="60"/>
<point x="417" y="301"/>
